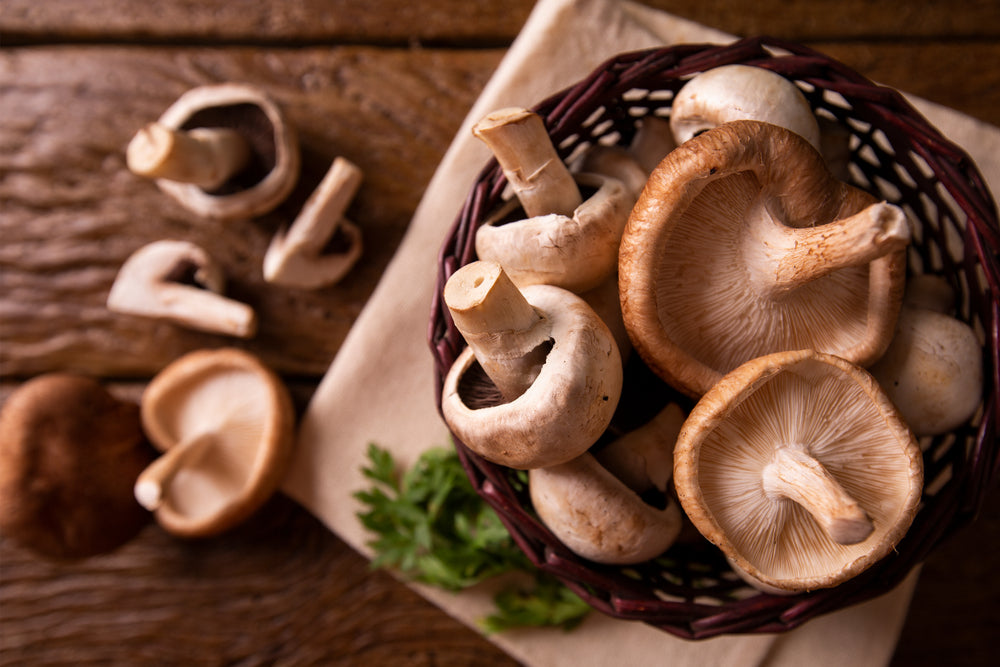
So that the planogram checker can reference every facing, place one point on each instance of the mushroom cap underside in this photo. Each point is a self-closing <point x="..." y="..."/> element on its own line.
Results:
<point x="820" y="404"/>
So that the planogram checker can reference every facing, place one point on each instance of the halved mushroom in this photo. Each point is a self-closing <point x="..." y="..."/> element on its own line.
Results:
<point x="548" y="353"/>
<point x="743" y="244"/>
<point x="549" y="234"/>
<point x="799" y="467"/>
<point x="179" y="282"/>
<point x="70" y="452"/>
<point x="296" y="256"/>
<point x="225" y="423"/>
<point x="223" y="151"/>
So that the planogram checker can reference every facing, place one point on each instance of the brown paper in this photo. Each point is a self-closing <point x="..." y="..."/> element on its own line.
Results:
<point x="380" y="386"/>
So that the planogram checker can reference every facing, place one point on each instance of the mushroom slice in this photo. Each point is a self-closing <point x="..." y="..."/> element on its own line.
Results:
<point x="553" y="358"/>
<point x="549" y="234"/>
<point x="223" y="151"/>
<point x="743" y="244"/>
<point x="741" y="92"/>
<point x="179" y="282"/>
<point x="798" y="466"/>
<point x="225" y="422"/>
<point x="69" y="455"/>
<point x="296" y="258"/>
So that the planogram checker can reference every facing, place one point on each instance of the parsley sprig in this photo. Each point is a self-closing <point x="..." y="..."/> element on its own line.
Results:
<point x="431" y="526"/>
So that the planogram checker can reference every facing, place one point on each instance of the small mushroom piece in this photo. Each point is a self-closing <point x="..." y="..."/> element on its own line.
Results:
<point x="70" y="452"/>
<point x="741" y="92"/>
<point x="223" y="151"/>
<point x="644" y="458"/>
<point x="553" y="358"/>
<point x="296" y="256"/>
<point x="743" y="244"/>
<point x="631" y="165"/>
<point x="225" y="423"/>
<point x="800" y="469"/>
<point x="561" y="239"/>
<point x="179" y="282"/>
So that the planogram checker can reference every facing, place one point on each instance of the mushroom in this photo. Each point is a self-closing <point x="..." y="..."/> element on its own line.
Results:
<point x="225" y="423"/>
<point x="799" y="468"/>
<point x="553" y="359"/>
<point x="744" y="244"/>
<point x="296" y="257"/>
<point x="643" y="458"/>
<point x="223" y="151"/>
<point x="632" y="165"/>
<point x="564" y="239"/>
<point x="179" y="282"/>
<point x="933" y="368"/>
<point x="69" y="454"/>
<point x="741" y="92"/>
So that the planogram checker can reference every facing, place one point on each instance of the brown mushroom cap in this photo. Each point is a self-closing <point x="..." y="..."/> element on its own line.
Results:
<point x="69" y="455"/>
<point x="744" y="244"/>
<point x="226" y="423"/>
<point x="776" y="421"/>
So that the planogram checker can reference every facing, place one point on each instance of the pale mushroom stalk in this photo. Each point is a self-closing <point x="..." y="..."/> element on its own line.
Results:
<point x="652" y="142"/>
<point x="521" y="145"/>
<point x="205" y="156"/>
<point x="797" y="476"/>
<point x="506" y="334"/>
<point x="151" y="485"/>
<point x="644" y="457"/>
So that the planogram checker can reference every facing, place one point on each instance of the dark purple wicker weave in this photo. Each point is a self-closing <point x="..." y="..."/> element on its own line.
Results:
<point x="691" y="592"/>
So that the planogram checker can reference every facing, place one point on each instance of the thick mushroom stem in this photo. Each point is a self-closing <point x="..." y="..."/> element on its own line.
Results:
<point x="205" y="156"/>
<point x="644" y="458"/>
<point x="152" y="483"/>
<point x="795" y="475"/>
<point x="522" y="146"/>
<point x="507" y="335"/>
<point x="789" y="257"/>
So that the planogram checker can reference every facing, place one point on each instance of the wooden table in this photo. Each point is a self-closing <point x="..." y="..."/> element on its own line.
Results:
<point x="384" y="83"/>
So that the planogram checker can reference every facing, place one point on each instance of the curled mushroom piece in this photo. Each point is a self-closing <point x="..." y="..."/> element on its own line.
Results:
<point x="743" y="244"/>
<point x="551" y="356"/>
<point x="297" y="256"/>
<point x="223" y="151"/>
<point x="225" y="424"/>
<point x="563" y="239"/>
<point x="179" y="282"/>
<point x="70" y="452"/>
<point x="799" y="467"/>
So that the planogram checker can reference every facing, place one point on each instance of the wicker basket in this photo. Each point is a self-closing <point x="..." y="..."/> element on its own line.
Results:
<point x="691" y="592"/>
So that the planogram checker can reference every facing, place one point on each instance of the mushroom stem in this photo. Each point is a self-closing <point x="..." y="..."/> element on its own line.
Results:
<point x="522" y="146"/>
<point x="205" y="156"/>
<point x="795" y="475"/>
<point x="653" y="140"/>
<point x="506" y="334"/>
<point x="795" y="256"/>
<point x="152" y="483"/>
<point x="644" y="458"/>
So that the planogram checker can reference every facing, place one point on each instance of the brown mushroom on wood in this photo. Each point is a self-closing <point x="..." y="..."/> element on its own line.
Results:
<point x="553" y="359"/>
<point x="179" y="282"/>
<point x="798" y="466"/>
<point x="223" y="151"/>
<point x="743" y="244"/>
<point x="70" y="452"/>
<point x="225" y="423"/>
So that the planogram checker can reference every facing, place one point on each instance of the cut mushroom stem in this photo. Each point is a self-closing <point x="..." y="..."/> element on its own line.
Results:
<point x="151" y="485"/>
<point x="795" y="256"/>
<point x="507" y="335"/>
<point x="797" y="476"/>
<point x="521" y="144"/>
<point x="206" y="156"/>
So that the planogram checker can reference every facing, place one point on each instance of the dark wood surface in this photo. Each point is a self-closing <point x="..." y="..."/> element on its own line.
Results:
<point x="384" y="83"/>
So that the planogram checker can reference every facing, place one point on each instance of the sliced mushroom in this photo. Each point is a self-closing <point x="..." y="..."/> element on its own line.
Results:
<point x="744" y="244"/>
<point x="800" y="469"/>
<point x="562" y="239"/>
<point x="69" y="455"/>
<point x="223" y="151"/>
<point x="296" y="256"/>
<point x="179" y="282"/>
<point x="547" y="351"/>
<point x="741" y="92"/>
<point x="225" y="424"/>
